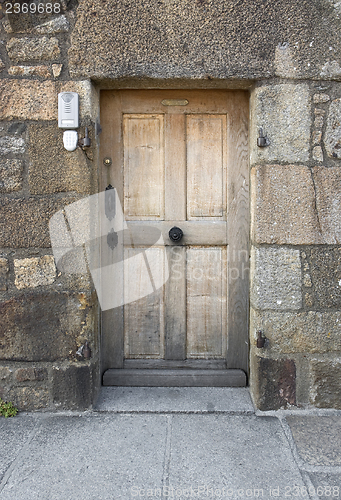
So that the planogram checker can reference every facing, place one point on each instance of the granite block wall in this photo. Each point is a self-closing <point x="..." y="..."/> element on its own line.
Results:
<point x="287" y="54"/>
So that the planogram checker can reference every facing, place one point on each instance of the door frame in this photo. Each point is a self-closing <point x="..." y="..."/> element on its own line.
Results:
<point x="238" y="220"/>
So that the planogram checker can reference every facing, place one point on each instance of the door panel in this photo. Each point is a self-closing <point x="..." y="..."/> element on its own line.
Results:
<point x="143" y="317"/>
<point x="206" y="164"/>
<point x="184" y="166"/>
<point x="143" y="145"/>
<point x="206" y="302"/>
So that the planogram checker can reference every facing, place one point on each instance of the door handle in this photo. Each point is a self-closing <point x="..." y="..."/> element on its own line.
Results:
<point x="175" y="234"/>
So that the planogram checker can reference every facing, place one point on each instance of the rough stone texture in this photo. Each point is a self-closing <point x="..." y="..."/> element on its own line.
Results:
<point x="318" y="153"/>
<point x="75" y="282"/>
<point x="304" y="332"/>
<point x="26" y="99"/>
<point x="42" y="326"/>
<point x="283" y="111"/>
<point x="41" y="23"/>
<point x="320" y="98"/>
<point x="32" y="100"/>
<point x="11" y="175"/>
<point x="317" y="136"/>
<point x="206" y="39"/>
<point x="15" y="145"/>
<point x="33" y="49"/>
<point x="284" y="63"/>
<point x="307" y="280"/>
<point x="29" y="398"/>
<point x="5" y="373"/>
<point x="52" y="169"/>
<point x="42" y="71"/>
<point x="325" y="273"/>
<point x="34" y="271"/>
<point x="283" y="205"/>
<point x="175" y="400"/>
<point x="275" y="278"/>
<point x="4" y="268"/>
<point x="318" y="122"/>
<point x="25" y="222"/>
<point x="2" y="65"/>
<point x="327" y="183"/>
<point x="332" y="139"/>
<point x="326" y="384"/>
<point x="72" y="387"/>
<point x="16" y="128"/>
<point x="274" y="383"/>
<point x="331" y="70"/>
<point x="318" y="438"/>
<point x="30" y="374"/>
<point x="56" y="70"/>
<point x="308" y="300"/>
<point x="58" y="25"/>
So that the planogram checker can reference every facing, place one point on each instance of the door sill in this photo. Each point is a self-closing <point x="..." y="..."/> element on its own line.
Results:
<point x="174" y="378"/>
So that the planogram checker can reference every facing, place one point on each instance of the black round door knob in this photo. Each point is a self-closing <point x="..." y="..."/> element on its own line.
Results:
<point x="175" y="234"/>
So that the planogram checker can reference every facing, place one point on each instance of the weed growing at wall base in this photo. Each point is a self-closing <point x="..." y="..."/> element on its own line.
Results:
<point x="7" y="409"/>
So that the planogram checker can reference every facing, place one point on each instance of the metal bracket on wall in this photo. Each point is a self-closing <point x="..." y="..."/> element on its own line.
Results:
<point x="262" y="140"/>
<point x="98" y="128"/>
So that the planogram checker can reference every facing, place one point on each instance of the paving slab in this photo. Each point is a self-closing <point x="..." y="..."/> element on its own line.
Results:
<point x="230" y="456"/>
<point x="90" y="457"/>
<point x="175" y="400"/>
<point x="317" y="438"/>
<point x="14" y="433"/>
<point x="102" y="456"/>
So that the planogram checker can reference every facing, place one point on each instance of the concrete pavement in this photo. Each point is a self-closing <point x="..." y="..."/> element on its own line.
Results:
<point x="171" y="443"/>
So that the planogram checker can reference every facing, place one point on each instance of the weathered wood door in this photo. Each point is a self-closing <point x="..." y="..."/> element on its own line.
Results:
<point x="178" y="159"/>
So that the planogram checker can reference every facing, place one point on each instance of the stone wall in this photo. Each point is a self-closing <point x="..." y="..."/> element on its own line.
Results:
<point x="287" y="53"/>
<point x="296" y="252"/>
<point x="45" y="315"/>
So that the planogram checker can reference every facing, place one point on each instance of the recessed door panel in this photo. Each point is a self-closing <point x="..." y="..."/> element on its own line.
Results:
<point x="206" y="302"/>
<point x="143" y="143"/>
<point x="206" y="165"/>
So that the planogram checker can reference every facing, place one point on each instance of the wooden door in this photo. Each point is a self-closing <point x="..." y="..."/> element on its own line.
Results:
<point x="178" y="159"/>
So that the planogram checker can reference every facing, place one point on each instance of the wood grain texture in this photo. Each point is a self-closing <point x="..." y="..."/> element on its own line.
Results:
<point x="195" y="232"/>
<point x="197" y="364"/>
<point x="112" y="340"/>
<point x="206" y="302"/>
<point x="175" y="165"/>
<point x="175" y="304"/>
<point x="175" y="378"/>
<point x="144" y="302"/>
<point x="238" y="221"/>
<point x="206" y="165"/>
<point x="192" y="166"/>
<point x="143" y="143"/>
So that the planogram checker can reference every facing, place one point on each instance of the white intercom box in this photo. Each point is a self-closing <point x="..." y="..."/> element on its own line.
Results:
<point x="68" y="110"/>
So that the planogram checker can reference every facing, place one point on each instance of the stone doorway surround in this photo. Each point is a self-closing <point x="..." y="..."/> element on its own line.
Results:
<point x="286" y="54"/>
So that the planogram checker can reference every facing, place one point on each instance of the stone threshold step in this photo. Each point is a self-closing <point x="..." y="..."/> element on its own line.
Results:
<point x="173" y="400"/>
<point x="174" y="378"/>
